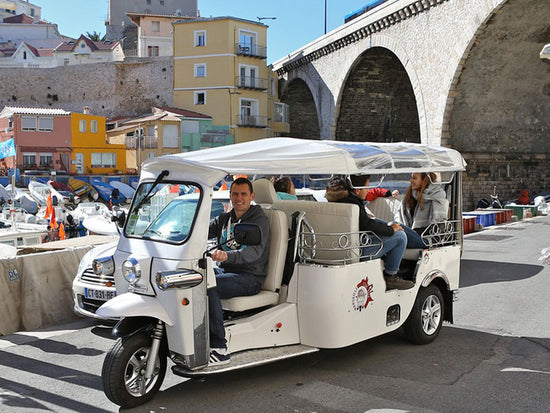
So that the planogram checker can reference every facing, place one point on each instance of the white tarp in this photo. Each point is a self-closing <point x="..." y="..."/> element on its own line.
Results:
<point x="292" y="156"/>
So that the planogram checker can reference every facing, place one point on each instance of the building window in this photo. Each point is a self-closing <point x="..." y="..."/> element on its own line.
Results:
<point x="82" y="125"/>
<point x="28" y="123"/>
<point x="103" y="160"/>
<point x="46" y="159"/>
<point x="248" y="76"/>
<point x="29" y="159"/>
<point x="24" y="55"/>
<point x="148" y="2"/>
<point x="153" y="51"/>
<point x="200" y="70"/>
<point x="93" y="126"/>
<point x="247" y="42"/>
<point x="155" y="26"/>
<point x="45" y="124"/>
<point x="32" y="12"/>
<point x="200" y="98"/>
<point x="162" y="2"/>
<point x="170" y="136"/>
<point x="281" y="112"/>
<point x="200" y="38"/>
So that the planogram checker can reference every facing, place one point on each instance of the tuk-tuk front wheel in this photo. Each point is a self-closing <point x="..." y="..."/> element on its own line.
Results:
<point x="426" y="318"/>
<point x="124" y="368"/>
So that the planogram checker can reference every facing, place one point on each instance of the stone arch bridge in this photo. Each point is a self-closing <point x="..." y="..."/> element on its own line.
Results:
<point x="460" y="73"/>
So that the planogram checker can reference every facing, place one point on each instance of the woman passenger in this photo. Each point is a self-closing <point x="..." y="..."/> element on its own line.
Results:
<point x="424" y="204"/>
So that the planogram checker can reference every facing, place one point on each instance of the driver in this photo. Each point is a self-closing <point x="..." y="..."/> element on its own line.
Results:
<point x="242" y="269"/>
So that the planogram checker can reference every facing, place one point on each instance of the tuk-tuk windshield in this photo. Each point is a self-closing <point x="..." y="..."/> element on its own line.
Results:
<point x="163" y="212"/>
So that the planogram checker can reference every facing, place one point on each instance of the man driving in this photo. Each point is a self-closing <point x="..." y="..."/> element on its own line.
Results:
<point x="241" y="269"/>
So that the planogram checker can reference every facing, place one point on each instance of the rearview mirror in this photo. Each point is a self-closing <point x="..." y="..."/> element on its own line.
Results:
<point x="247" y="234"/>
<point x="119" y="217"/>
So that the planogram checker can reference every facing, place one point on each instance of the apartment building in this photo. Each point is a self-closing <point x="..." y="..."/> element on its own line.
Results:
<point x="220" y="70"/>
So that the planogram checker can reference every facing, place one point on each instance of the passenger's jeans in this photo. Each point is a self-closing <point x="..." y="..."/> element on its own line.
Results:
<point x="393" y="248"/>
<point x="228" y="285"/>
<point x="414" y="240"/>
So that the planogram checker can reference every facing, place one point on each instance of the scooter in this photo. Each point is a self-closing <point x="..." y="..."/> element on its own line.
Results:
<point x="332" y="296"/>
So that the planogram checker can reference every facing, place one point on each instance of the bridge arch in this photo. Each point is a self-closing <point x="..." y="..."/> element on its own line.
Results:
<point x="303" y="116"/>
<point x="377" y="99"/>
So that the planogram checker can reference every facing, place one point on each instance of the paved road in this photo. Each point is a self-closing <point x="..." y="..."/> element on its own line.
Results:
<point x="494" y="359"/>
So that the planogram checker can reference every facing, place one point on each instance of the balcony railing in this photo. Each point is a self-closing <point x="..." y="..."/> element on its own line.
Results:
<point x="147" y="142"/>
<point x="252" y="50"/>
<point x="252" y="121"/>
<point x="250" y="82"/>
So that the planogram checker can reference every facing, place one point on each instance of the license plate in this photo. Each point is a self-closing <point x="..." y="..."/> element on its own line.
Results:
<point x="103" y="295"/>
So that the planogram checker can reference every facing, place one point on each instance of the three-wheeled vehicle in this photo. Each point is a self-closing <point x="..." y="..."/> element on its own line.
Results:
<point x="321" y="291"/>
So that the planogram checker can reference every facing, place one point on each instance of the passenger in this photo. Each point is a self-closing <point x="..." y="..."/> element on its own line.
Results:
<point x="242" y="269"/>
<point x="393" y="238"/>
<point x="285" y="188"/>
<point x="374" y="193"/>
<point x="424" y="204"/>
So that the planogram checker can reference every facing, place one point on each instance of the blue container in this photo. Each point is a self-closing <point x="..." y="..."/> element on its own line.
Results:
<point x="485" y="218"/>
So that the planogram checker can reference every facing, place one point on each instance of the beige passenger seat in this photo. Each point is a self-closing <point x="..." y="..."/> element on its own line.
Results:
<point x="265" y="196"/>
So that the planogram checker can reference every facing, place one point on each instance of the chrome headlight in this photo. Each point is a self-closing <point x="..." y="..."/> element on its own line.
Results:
<point x="131" y="270"/>
<point x="104" y="266"/>
<point x="178" y="279"/>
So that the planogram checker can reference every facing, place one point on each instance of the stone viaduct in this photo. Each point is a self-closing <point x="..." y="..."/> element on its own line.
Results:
<point x="459" y="73"/>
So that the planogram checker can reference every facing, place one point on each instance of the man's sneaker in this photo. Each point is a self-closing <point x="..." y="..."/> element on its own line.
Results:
<point x="219" y="357"/>
<point x="395" y="282"/>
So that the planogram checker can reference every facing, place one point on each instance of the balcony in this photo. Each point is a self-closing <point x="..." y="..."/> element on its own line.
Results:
<point x="250" y="82"/>
<point x="252" y="50"/>
<point x="147" y="142"/>
<point x="252" y="121"/>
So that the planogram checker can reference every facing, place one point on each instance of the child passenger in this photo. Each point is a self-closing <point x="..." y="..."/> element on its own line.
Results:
<point x="285" y="188"/>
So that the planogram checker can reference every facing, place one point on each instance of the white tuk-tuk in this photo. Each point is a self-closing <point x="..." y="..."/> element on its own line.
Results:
<point x="320" y="292"/>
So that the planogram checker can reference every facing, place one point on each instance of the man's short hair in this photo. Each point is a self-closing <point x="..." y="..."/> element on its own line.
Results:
<point x="242" y="181"/>
<point x="359" y="180"/>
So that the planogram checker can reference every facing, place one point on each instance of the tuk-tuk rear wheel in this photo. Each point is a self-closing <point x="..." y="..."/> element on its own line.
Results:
<point x="123" y="371"/>
<point x="426" y="318"/>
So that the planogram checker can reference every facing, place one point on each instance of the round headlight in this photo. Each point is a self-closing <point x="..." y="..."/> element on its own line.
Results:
<point x="103" y="266"/>
<point x="131" y="270"/>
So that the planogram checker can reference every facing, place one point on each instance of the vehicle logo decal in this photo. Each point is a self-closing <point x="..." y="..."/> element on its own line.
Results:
<point x="362" y="295"/>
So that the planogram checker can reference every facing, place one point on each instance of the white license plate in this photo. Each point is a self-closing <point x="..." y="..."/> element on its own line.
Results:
<point x="99" y="294"/>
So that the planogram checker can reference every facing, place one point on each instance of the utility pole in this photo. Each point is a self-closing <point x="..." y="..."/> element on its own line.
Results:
<point x="325" y="16"/>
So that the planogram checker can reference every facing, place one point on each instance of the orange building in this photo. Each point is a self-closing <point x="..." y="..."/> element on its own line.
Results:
<point x="91" y="153"/>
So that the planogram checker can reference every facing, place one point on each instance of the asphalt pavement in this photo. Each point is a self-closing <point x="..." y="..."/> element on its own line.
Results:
<point x="495" y="358"/>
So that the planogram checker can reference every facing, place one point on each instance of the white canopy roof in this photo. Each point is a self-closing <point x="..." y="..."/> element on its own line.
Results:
<point x="291" y="156"/>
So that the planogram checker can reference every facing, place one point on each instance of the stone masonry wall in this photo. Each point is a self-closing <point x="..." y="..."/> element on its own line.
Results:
<point x="500" y="119"/>
<point x="109" y="89"/>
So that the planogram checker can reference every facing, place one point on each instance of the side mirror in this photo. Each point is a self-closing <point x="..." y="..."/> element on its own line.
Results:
<point x="247" y="234"/>
<point x="119" y="217"/>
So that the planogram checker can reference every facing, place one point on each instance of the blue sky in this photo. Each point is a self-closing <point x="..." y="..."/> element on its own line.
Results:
<point x="298" y="21"/>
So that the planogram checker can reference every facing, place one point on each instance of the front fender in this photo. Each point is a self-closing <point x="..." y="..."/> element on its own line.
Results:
<point x="134" y="305"/>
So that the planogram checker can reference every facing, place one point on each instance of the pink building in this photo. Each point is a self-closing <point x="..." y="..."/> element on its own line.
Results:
<point x="42" y="138"/>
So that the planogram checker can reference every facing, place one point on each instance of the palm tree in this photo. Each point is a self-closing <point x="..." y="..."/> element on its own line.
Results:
<point x="95" y="36"/>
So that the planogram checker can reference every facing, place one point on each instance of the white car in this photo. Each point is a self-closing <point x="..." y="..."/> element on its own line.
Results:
<point x="91" y="290"/>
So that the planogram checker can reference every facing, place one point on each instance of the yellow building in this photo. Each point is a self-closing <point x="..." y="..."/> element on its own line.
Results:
<point x="91" y="153"/>
<point x="220" y="70"/>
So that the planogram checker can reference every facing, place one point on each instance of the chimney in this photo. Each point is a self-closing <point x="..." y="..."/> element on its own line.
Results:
<point x="86" y="110"/>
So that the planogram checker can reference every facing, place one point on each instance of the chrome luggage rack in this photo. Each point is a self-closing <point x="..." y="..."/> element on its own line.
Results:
<point x="442" y="234"/>
<point x="337" y="248"/>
